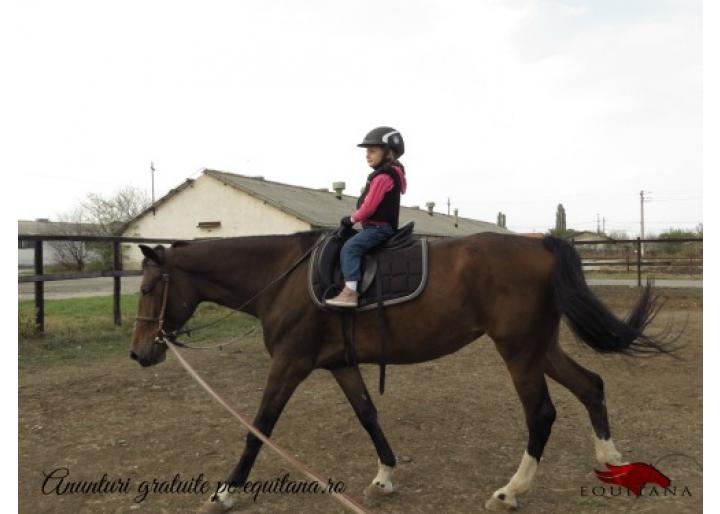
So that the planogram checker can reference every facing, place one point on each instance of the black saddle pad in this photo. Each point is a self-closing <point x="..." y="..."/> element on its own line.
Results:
<point x="402" y="272"/>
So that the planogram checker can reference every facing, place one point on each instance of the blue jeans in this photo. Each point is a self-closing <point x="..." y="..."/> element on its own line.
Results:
<point x="352" y="252"/>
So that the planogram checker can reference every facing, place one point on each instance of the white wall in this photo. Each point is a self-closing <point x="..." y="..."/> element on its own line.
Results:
<point x="26" y="256"/>
<point x="208" y="199"/>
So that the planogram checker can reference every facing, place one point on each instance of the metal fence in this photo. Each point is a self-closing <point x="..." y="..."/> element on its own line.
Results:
<point x="642" y="255"/>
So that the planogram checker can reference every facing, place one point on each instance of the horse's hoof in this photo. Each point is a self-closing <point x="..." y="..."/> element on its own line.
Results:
<point x="501" y="502"/>
<point x="379" y="489"/>
<point x="216" y="506"/>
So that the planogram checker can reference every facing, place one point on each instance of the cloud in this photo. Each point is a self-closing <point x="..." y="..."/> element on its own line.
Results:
<point x="512" y="106"/>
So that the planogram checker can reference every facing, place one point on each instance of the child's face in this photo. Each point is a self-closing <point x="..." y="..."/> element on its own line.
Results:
<point x="375" y="155"/>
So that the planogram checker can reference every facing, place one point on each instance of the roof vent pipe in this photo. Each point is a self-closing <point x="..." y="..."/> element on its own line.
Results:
<point x="339" y="187"/>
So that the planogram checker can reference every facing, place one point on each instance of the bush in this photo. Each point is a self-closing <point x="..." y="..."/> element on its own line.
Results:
<point x="672" y="247"/>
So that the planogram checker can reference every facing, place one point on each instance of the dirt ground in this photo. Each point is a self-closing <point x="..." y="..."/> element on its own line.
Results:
<point x="455" y="424"/>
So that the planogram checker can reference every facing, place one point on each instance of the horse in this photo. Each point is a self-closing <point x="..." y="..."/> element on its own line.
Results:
<point x="515" y="289"/>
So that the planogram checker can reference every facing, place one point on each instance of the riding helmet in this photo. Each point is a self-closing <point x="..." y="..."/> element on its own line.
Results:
<point x="387" y="137"/>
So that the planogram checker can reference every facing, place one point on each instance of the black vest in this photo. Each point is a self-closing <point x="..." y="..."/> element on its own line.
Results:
<point x="388" y="210"/>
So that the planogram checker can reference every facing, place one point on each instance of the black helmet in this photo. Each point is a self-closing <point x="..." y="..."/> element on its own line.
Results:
<point x="387" y="137"/>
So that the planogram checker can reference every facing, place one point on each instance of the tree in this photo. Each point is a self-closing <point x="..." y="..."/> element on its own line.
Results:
<point x="112" y="212"/>
<point x="103" y="216"/>
<point x="560" y="220"/>
<point x="675" y="233"/>
<point x="72" y="254"/>
<point x="561" y="229"/>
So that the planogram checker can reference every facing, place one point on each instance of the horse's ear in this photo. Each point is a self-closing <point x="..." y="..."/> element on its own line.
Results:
<point x="156" y="254"/>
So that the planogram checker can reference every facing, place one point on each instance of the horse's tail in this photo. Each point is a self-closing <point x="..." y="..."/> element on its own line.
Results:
<point x="590" y="320"/>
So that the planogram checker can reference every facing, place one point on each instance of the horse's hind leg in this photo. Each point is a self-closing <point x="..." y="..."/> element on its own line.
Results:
<point x="529" y="381"/>
<point x="353" y="385"/>
<point x="588" y="388"/>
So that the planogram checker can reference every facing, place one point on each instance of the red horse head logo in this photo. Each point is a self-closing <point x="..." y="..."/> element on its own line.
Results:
<point x="634" y="476"/>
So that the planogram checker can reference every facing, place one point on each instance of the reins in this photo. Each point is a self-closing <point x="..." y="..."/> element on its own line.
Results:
<point x="163" y="337"/>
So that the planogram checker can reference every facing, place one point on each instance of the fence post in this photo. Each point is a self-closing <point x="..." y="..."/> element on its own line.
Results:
<point x="117" y="266"/>
<point x="691" y="263"/>
<point x="39" y="290"/>
<point x="639" y="261"/>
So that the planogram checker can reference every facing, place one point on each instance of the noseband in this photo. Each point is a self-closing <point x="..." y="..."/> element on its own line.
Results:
<point x="161" y="337"/>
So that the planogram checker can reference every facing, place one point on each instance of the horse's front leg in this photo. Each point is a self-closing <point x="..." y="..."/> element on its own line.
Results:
<point x="283" y="379"/>
<point x="352" y="384"/>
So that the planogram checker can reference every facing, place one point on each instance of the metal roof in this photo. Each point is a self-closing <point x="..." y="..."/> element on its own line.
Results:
<point x="44" y="227"/>
<point x="321" y="208"/>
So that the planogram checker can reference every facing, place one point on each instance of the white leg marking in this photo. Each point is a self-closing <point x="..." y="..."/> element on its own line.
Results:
<point x="606" y="453"/>
<point x="224" y="498"/>
<point x="521" y="480"/>
<point x="505" y="497"/>
<point x="383" y="480"/>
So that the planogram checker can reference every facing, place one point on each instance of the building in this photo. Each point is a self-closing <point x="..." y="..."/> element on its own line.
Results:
<point x="221" y="204"/>
<point x="591" y="236"/>
<point x="588" y="236"/>
<point x="45" y="227"/>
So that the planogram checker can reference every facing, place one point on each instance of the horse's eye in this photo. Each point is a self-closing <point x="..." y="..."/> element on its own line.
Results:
<point x="145" y="291"/>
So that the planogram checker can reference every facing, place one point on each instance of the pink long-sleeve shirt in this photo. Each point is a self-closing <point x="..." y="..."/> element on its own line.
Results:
<point x="376" y="191"/>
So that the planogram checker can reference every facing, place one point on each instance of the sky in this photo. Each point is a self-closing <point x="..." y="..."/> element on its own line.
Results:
<point x="512" y="106"/>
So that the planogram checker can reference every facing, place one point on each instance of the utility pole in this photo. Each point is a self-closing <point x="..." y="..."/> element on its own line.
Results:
<point x="603" y="225"/>
<point x="152" y="179"/>
<point x="597" y="225"/>
<point x="448" y="206"/>
<point x="642" y="220"/>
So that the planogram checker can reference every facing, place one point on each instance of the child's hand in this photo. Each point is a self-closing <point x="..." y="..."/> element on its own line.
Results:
<point x="346" y="221"/>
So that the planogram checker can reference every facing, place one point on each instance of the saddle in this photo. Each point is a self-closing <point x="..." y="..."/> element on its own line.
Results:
<point x="400" y="264"/>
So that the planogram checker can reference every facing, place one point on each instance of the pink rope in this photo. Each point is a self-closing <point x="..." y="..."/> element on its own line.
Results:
<point x="312" y="475"/>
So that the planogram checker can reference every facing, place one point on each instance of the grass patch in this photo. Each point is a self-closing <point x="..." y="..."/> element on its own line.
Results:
<point x="82" y="328"/>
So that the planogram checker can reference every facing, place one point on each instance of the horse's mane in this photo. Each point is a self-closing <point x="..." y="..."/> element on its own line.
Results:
<point x="305" y="238"/>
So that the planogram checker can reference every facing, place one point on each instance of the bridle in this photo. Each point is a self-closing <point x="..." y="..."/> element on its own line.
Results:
<point x="163" y="338"/>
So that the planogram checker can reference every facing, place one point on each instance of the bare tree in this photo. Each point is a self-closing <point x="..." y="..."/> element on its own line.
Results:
<point x="72" y="254"/>
<point x="112" y="212"/>
<point x="97" y="215"/>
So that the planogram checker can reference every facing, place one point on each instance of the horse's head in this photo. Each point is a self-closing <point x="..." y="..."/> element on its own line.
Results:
<point x="166" y="303"/>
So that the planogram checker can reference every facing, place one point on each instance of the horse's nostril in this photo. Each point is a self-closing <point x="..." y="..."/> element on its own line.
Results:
<point x="133" y="356"/>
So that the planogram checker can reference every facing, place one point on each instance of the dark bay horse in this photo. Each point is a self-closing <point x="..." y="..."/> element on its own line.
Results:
<point x="512" y="288"/>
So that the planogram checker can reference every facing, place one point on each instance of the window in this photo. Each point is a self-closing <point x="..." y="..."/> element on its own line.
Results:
<point x="208" y="224"/>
